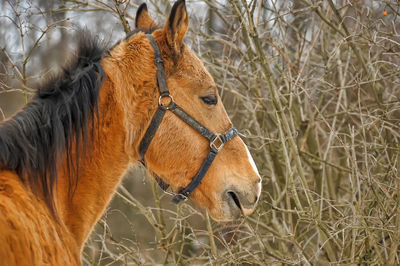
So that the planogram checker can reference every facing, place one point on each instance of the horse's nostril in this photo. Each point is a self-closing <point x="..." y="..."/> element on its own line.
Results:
<point x="235" y="198"/>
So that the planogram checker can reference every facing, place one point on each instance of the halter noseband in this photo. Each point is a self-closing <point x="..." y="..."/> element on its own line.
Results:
<point x="217" y="141"/>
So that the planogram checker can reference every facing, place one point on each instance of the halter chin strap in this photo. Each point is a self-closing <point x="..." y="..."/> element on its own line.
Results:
<point x="217" y="141"/>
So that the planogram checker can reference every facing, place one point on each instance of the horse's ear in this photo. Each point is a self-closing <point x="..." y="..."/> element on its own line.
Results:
<point x="143" y="19"/>
<point x="176" y="26"/>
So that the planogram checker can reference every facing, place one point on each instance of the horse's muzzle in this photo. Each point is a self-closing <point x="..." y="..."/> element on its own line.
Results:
<point x="243" y="201"/>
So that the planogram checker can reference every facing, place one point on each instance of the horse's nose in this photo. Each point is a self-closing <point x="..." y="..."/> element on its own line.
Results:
<point x="245" y="199"/>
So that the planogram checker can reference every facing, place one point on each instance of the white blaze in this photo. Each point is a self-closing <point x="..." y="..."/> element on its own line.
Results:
<point x="253" y="164"/>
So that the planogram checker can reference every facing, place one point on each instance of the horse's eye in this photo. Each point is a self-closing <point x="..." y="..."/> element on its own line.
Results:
<point x="210" y="100"/>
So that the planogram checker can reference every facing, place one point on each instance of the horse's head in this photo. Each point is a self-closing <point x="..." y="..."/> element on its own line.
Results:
<point x="232" y="185"/>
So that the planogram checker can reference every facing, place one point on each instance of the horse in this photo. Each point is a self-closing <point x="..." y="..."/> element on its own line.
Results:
<point x="146" y="99"/>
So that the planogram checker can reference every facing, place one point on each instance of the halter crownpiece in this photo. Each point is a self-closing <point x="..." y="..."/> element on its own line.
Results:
<point x="217" y="141"/>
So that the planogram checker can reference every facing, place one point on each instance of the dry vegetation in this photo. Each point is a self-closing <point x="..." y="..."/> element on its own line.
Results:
<point x="314" y="87"/>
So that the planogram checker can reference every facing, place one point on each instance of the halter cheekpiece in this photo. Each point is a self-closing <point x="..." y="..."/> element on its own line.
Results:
<point x="217" y="141"/>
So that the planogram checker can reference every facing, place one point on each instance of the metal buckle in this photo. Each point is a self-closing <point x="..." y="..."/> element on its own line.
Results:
<point x="171" y="101"/>
<point x="179" y="198"/>
<point x="217" y="146"/>
<point x="183" y="197"/>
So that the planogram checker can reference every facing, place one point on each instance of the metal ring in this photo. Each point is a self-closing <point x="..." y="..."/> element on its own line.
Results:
<point x="214" y="145"/>
<point x="170" y="103"/>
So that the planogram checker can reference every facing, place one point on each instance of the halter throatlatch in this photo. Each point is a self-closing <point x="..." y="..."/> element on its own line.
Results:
<point x="217" y="141"/>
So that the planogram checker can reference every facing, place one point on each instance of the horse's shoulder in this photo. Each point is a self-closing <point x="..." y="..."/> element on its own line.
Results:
<point x="29" y="235"/>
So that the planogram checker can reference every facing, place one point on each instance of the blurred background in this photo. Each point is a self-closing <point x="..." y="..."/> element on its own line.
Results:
<point x="314" y="88"/>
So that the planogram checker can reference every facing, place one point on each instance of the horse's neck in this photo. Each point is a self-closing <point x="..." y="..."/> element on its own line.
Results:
<point x="104" y="165"/>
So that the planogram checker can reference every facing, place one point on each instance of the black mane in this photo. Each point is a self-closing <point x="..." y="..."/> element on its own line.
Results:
<point x="57" y="119"/>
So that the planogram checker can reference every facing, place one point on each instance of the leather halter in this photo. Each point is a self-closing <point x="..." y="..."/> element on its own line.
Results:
<point x="217" y="141"/>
